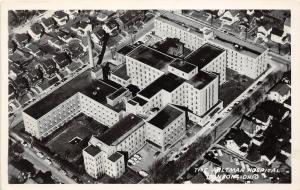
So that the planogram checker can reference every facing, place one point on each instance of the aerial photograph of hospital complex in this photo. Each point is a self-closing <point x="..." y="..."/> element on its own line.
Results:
<point x="149" y="96"/>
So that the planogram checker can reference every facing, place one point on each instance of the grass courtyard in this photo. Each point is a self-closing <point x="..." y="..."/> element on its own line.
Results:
<point x="235" y="85"/>
<point x="69" y="143"/>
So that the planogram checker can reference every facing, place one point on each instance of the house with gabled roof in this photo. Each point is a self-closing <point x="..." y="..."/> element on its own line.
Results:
<point x="36" y="31"/>
<point x="279" y="93"/>
<point x="230" y="17"/>
<point x="237" y="141"/>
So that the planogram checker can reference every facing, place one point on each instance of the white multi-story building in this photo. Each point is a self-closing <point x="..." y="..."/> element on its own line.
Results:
<point x="193" y="38"/>
<point x="211" y="59"/>
<point x="243" y="57"/>
<point x="144" y="65"/>
<point x="120" y="76"/>
<point x="165" y="128"/>
<point x="108" y="152"/>
<point x="94" y="98"/>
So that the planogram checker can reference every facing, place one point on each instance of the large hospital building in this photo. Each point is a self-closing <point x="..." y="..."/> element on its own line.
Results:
<point x="178" y="87"/>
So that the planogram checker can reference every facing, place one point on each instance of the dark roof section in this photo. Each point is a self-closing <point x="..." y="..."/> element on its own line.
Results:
<point x="248" y="125"/>
<point x="281" y="88"/>
<point x="238" y="136"/>
<point x="288" y="101"/>
<point x="151" y="57"/>
<point x="121" y="72"/>
<point x="121" y="129"/>
<point x="115" y="156"/>
<point x="60" y="14"/>
<point x="277" y="31"/>
<point x="165" y="116"/>
<point x="168" y="82"/>
<point x="139" y="100"/>
<point x="183" y="66"/>
<point x="37" y="28"/>
<point x="126" y="49"/>
<point x="260" y="115"/>
<point x="92" y="150"/>
<point x="204" y="55"/>
<point x="201" y="79"/>
<point x="273" y="108"/>
<point x="62" y="59"/>
<point x="117" y="93"/>
<point x="82" y="83"/>
<point x="268" y="152"/>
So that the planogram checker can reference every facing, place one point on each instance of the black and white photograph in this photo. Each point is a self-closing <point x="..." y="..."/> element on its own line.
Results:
<point x="149" y="96"/>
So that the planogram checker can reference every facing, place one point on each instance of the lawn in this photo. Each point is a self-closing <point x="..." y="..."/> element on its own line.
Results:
<point x="236" y="85"/>
<point x="79" y="129"/>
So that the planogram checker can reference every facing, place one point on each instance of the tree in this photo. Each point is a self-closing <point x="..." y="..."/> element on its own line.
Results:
<point x="155" y="170"/>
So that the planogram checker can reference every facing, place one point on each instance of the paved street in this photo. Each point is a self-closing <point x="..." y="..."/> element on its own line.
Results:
<point x="42" y="165"/>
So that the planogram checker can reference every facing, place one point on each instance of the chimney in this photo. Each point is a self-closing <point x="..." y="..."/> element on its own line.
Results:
<point x="90" y="50"/>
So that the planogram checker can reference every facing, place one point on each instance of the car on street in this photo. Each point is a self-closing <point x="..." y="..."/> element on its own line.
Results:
<point x="63" y="172"/>
<point x="176" y="157"/>
<point x="143" y="173"/>
<point x="25" y="144"/>
<point x="40" y="155"/>
<point x="184" y="150"/>
<point x="131" y="162"/>
<point x="48" y="161"/>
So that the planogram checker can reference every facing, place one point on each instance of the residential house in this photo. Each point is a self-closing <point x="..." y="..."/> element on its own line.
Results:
<point x="111" y="26"/>
<point x="33" y="74"/>
<point x="12" y="46"/>
<point x="277" y="35"/>
<point x="268" y="155"/>
<point x="56" y="43"/>
<point x="20" y="85"/>
<point x="64" y="36"/>
<point x="101" y="17"/>
<point x="287" y="26"/>
<point x="48" y="24"/>
<point x="36" y="31"/>
<point x="287" y="103"/>
<point x="48" y="67"/>
<point x="97" y="36"/>
<point x="262" y="118"/>
<point x="230" y="17"/>
<point x="131" y="17"/>
<point x="62" y="59"/>
<point x="75" y="48"/>
<point x="210" y="170"/>
<point x="61" y="17"/>
<point x="238" y="141"/>
<point x="214" y="12"/>
<point x="22" y="39"/>
<point x="275" y="109"/>
<point x="286" y="78"/>
<point x="280" y="92"/>
<point x="249" y="126"/>
<point x="264" y="31"/>
<point x="33" y="49"/>
<point x="81" y="28"/>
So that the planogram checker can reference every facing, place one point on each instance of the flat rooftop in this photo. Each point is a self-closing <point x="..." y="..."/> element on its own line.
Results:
<point x="84" y="84"/>
<point x="115" y="156"/>
<point x="183" y="66"/>
<point x="121" y="130"/>
<point x="168" y="82"/>
<point x="201" y="79"/>
<point x="126" y="49"/>
<point x="238" y="45"/>
<point x="121" y="72"/>
<point x="151" y="57"/>
<point x="92" y="150"/>
<point x="139" y="100"/>
<point x="165" y="116"/>
<point x="204" y="55"/>
<point x="117" y="93"/>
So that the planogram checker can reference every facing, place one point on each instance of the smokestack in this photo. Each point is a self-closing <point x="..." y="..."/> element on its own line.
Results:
<point x="90" y="50"/>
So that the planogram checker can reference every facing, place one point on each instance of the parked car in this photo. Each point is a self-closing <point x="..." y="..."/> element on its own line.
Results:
<point x="63" y="172"/>
<point x="184" y="150"/>
<point x="176" y="157"/>
<point x="134" y="159"/>
<point x="143" y="173"/>
<point x="48" y="161"/>
<point x="137" y="156"/>
<point x="39" y="154"/>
